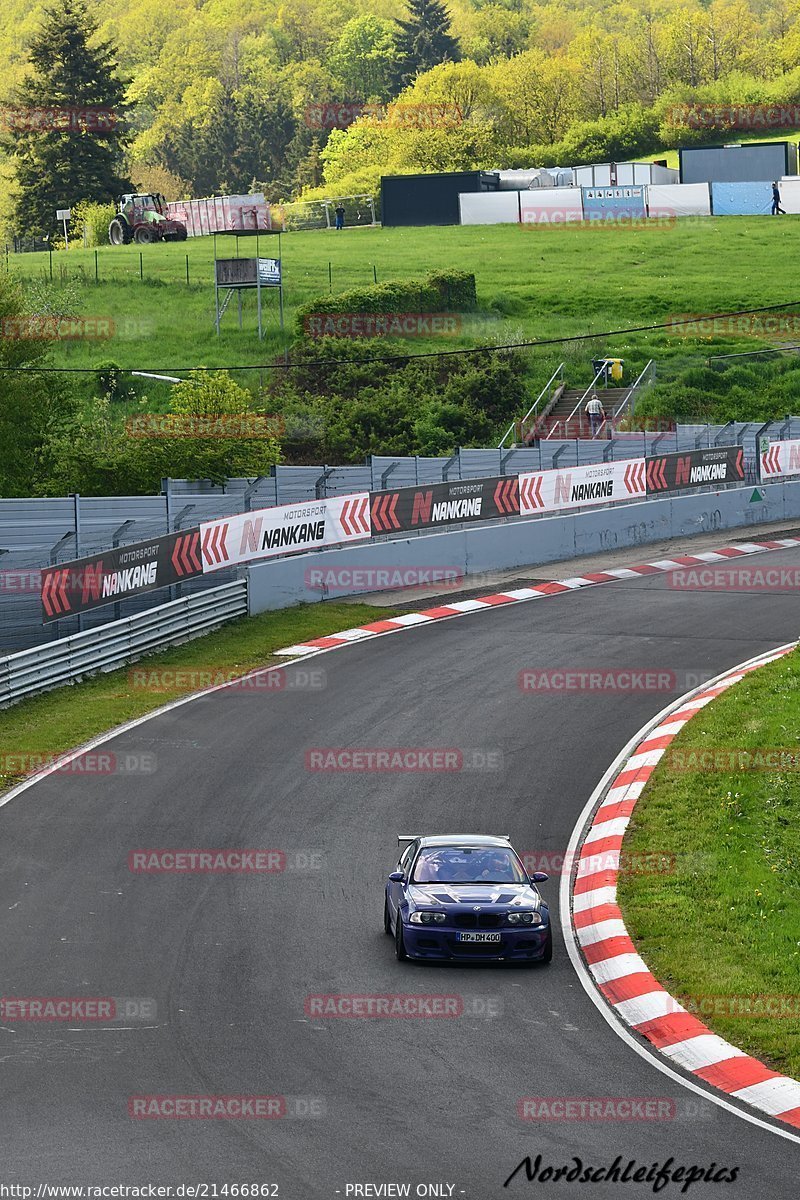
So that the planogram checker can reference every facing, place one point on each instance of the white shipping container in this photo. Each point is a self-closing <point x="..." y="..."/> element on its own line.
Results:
<point x="624" y="174"/>
<point x="489" y="208"/>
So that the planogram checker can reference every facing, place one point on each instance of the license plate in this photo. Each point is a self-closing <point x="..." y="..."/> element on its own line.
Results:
<point x="478" y="937"/>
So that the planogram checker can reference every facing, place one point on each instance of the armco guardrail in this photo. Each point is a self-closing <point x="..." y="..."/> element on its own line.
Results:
<point x="120" y="642"/>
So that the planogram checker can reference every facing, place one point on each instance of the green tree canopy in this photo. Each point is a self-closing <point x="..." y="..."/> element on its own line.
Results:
<point x="425" y="40"/>
<point x="66" y="138"/>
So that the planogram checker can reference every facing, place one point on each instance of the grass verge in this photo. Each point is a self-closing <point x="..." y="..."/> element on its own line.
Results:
<point x="66" y="717"/>
<point x="722" y="931"/>
<point x="534" y="282"/>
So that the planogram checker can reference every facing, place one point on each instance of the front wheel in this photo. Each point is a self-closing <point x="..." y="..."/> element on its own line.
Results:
<point x="144" y="235"/>
<point x="548" y="948"/>
<point x="387" y="920"/>
<point x="399" y="944"/>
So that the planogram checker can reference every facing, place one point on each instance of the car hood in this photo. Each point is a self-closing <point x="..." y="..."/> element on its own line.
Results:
<point x="483" y="894"/>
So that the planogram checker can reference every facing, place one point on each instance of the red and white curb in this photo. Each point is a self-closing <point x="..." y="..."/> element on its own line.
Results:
<point x="520" y="595"/>
<point x="618" y="972"/>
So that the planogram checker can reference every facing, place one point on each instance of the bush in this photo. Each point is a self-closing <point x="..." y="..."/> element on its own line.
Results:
<point x="112" y="381"/>
<point x="752" y="391"/>
<point x="367" y="405"/>
<point x="33" y="404"/>
<point x="450" y="291"/>
<point x="92" y="220"/>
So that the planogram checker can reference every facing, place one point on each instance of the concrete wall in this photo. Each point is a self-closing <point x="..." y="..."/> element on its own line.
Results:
<point x="519" y="543"/>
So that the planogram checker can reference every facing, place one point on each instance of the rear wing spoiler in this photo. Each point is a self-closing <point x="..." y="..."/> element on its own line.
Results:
<point x="412" y="837"/>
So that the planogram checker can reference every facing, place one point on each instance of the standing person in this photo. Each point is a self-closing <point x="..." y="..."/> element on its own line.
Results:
<point x="776" y="201"/>
<point x="339" y="211"/>
<point x="594" y="410"/>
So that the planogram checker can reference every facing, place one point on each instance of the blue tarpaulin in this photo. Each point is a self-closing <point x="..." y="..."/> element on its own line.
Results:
<point x="741" y="199"/>
<point x="625" y="202"/>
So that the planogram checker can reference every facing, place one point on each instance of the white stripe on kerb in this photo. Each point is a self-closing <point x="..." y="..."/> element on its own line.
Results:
<point x="773" y="1096"/>
<point x="702" y="1051"/>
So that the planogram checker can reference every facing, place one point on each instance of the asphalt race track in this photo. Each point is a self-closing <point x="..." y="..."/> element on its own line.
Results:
<point x="230" y="959"/>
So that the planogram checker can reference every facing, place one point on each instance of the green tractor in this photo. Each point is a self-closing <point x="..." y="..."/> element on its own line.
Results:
<point x="142" y="218"/>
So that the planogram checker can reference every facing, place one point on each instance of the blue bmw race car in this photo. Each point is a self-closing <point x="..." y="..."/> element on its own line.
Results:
<point x="465" y="898"/>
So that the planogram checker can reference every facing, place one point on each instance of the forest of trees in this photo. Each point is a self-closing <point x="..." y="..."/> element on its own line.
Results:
<point x="222" y="95"/>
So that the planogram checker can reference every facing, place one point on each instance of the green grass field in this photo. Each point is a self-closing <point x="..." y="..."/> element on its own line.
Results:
<point x="533" y="284"/>
<point x="724" y="929"/>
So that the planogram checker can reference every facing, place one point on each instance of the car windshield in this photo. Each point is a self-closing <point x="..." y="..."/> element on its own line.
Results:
<point x="468" y="864"/>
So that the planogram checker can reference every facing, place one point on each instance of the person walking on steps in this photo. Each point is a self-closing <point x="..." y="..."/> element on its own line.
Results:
<point x="594" y="411"/>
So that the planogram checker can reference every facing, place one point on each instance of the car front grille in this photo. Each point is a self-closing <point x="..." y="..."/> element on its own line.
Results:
<point x="483" y="920"/>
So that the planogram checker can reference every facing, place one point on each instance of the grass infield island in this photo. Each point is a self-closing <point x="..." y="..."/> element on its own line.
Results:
<point x="720" y="927"/>
<point x="54" y="722"/>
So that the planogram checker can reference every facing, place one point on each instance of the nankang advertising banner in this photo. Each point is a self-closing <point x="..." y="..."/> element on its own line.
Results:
<point x="436" y="504"/>
<point x="673" y="472"/>
<point x="600" y="483"/>
<point x="282" y="530"/>
<point x="99" y="579"/>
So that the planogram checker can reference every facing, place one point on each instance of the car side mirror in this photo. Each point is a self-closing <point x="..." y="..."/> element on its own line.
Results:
<point x="539" y="877"/>
<point x="397" y="877"/>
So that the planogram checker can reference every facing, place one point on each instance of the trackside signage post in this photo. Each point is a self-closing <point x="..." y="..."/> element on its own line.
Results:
<point x="238" y="275"/>
<point x="86" y="583"/>
<point x="64" y="215"/>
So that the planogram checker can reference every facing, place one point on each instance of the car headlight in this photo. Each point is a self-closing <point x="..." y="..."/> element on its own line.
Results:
<point x="426" y="918"/>
<point x="525" y="918"/>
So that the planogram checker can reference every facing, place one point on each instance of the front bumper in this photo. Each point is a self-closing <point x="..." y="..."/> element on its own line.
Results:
<point x="441" y="942"/>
